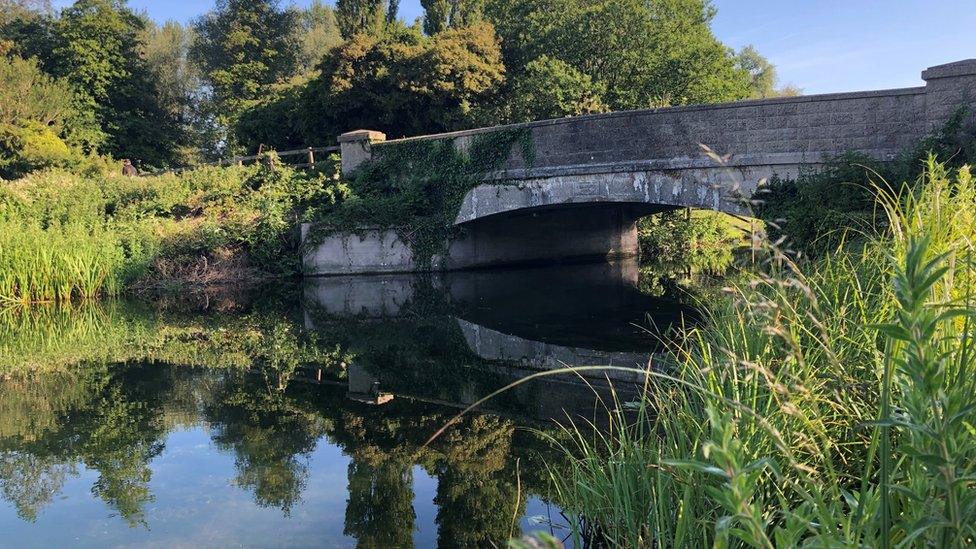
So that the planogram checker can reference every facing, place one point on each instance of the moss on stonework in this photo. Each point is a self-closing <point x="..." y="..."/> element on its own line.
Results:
<point x="416" y="188"/>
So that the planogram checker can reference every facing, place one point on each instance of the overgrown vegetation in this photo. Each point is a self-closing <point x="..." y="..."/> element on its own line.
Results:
<point x="416" y="187"/>
<point x="691" y="241"/>
<point x="827" y="403"/>
<point x="824" y="206"/>
<point x="64" y="236"/>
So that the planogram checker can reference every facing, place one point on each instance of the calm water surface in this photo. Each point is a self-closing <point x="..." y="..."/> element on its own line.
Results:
<point x="301" y="417"/>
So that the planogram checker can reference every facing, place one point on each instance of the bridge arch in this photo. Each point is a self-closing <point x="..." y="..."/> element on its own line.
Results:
<point x="591" y="177"/>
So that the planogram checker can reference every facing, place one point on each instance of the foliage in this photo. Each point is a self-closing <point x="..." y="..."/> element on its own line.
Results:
<point x="416" y="187"/>
<point x="320" y="35"/>
<point x="242" y="48"/>
<point x="762" y="73"/>
<point x="643" y="54"/>
<point x="823" y="206"/>
<point x="550" y="88"/>
<point x="702" y="241"/>
<point x="16" y="9"/>
<point x="96" y="46"/>
<point x="367" y="17"/>
<point x="36" y="112"/>
<point x="823" y="403"/>
<point x="97" y="49"/>
<point x="402" y="83"/>
<point x="440" y="15"/>
<point x="178" y="85"/>
<point x="65" y="236"/>
<point x="29" y="95"/>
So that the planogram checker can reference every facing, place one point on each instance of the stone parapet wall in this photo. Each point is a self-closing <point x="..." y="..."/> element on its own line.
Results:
<point x="783" y="131"/>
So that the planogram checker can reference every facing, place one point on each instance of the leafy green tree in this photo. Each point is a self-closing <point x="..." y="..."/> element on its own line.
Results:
<point x="403" y="83"/>
<point x="96" y="45"/>
<point x="98" y="49"/>
<point x="643" y="53"/>
<point x="762" y="74"/>
<point x="550" y="88"/>
<point x="34" y="111"/>
<point x="11" y="10"/>
<point x="178" y="84"/>
<point x="320" y="33"/>
<point x="243" y="47"/>
<point x="444" y="14"/>
<point x="407" y="84"/>
<point x="361" y="17"/>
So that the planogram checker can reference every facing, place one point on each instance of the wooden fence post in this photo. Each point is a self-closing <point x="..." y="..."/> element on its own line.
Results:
<point x="311" y="157"/>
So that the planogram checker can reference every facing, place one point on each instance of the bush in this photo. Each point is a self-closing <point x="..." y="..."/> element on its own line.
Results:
<point x="65" y="236"/>
<point x="24" y="149"/>
<point x="37" y="116"/>
<point x="703" y="241"/>
<point x="822" y="207"/>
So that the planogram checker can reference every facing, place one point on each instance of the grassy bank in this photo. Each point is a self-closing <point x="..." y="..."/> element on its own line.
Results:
<point x="65" y="236"/>
<point x="829" y="402"/>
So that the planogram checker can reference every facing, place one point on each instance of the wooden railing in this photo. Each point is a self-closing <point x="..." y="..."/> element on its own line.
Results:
<point x="308" y="152"/>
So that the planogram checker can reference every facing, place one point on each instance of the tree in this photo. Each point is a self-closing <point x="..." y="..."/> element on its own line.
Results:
<point x="243" y="47"/>
<point x="550" y="88"/>
<point x="96" y="45"/>
<point x="320" y="33"/>
<point x="34" y="112"/>
<point x="18" y="9"/>
<point x="99" y="50"/>
<point x="361" y="17"/>
<point x="643" y="53"/>
<point x="403" y="83"/>
<point x="762" y="74"/>
<point x="178" y="83"/>
<point x="444" y="14"/>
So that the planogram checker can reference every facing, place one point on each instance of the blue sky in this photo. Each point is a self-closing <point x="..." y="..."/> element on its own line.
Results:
<point x="819" y="45"/>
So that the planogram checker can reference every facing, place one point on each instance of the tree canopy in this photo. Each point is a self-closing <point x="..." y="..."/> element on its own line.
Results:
<point x="252" y="73"/>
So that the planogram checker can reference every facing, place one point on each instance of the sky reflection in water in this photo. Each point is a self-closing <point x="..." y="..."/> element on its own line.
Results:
<point x="299" y="418"/>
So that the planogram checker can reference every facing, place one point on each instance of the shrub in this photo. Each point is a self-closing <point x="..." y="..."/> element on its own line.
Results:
<point x="66" y="236"/>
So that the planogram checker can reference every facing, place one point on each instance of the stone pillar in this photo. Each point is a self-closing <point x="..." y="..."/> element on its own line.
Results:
<point x="355" y="148"/>
<point x="947" y="88"/>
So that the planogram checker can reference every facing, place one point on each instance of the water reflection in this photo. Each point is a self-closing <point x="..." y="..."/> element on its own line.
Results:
<point x="129" y="423"/>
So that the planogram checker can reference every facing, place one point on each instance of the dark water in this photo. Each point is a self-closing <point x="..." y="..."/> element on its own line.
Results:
<point x="302" y="417"/>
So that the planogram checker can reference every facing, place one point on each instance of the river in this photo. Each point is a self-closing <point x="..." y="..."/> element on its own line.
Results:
<point x="301" y="416"/>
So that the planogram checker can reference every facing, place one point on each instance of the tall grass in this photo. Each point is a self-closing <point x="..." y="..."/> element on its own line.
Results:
<point x="58" y="263"/>
<point x="64" y="237"/>
<point x="830" y="403"/>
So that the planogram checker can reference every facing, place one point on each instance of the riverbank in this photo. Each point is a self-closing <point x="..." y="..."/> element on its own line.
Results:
<point x="65" y="236"/>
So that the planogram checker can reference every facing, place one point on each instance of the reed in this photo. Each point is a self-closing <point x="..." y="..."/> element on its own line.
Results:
<point x="57" y="263"/>
<point x="828" y="403"/>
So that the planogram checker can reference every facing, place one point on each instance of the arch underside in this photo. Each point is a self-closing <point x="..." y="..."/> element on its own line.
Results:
<point x="650" y="191"/>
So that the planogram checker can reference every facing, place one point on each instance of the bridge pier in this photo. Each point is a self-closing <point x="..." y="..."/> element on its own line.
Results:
<point x="573" y="233"/>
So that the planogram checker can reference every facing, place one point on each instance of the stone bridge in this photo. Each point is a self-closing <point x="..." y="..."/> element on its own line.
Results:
<point x="592" y="177"/>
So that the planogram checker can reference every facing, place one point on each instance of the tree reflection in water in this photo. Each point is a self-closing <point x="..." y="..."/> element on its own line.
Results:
<point x="114" y="418"/>
<point x="102" y="389"/>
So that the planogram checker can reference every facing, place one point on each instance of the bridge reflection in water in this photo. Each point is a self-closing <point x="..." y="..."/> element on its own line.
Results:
<point x="454" y="338"/>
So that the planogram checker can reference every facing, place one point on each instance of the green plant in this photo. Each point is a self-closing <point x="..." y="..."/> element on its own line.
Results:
<point x="789" y="418"/>
<point x="416" y="188"/>
<point x="701" y="241"/>
<point x="66" y="236"/>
